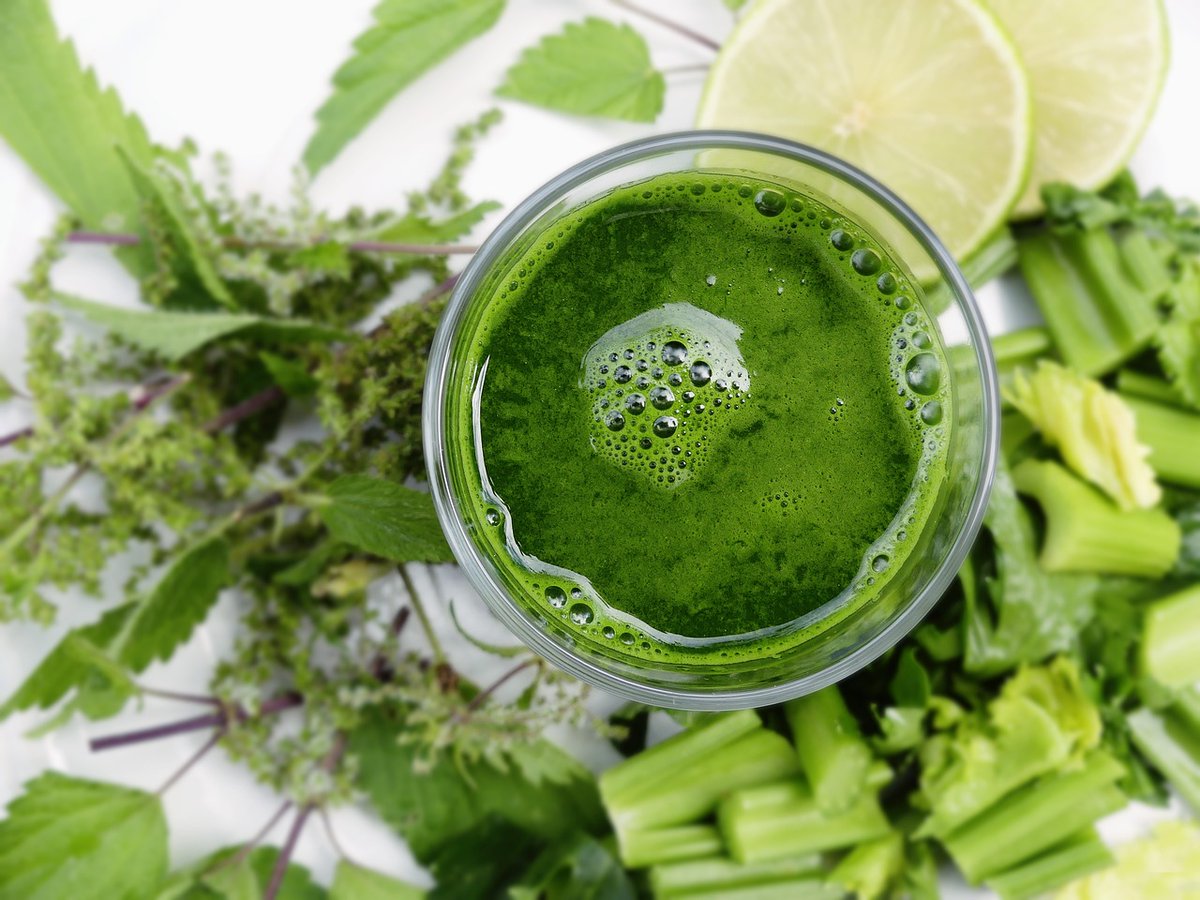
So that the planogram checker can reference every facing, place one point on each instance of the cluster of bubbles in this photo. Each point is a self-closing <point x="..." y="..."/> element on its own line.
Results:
<point x="659" y="397"/>
<point x="569" y="604"/>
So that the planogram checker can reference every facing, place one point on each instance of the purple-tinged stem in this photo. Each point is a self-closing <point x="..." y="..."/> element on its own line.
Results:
<point x="479" y="699"/>
<point x="670" y="23"/>
<point x="247" y="848"/>
<point x="251" y="406"/>
<point x="129" y="240"/>
<point x="192" y="760"/>
<point x="15" y="436"/>
<point x="196" y="723"/>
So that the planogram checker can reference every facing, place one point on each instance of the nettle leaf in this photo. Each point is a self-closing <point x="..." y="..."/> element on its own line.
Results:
<point x="545" y="791"/>
<point x="579" y="868"/>
<point x="292" y="377"/>
<point x="385" y="519"/>
<point x="482" y="861"/>
<point x="416" y="228"/>
<point x="219" y="878"/>
<point x="351" y="882"/>
<point x="67" y="128"/>
<point x="176" y="334"/>
<point x="179" y="602"/>
<point x="592" y="68"/>
<point x="67" y="837"/>
<point x="409" y="37"/>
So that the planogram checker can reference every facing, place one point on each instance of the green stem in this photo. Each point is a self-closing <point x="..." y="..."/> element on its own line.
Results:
<point x="1186" y="709"/>
<point x="871" y="868"/>
<point x="1133" y="383"/>
<point x="669" y="845"/>
<point x="1170" y="651"/>
<point x="719" y="873"/>
<point x="1171" y="747"/>
<point x="435" y="643"/>
<point x="831" y="749"/>
<point x="1173" y="437"/>
<point x="1014" y="348"/>
<point x="1087" y="532"/>
<point x="1144" y="264"/>
<point x="997" y="255"/>
<point x="784" y="819"/>
<point x="1035" y="818"/>
<point x="811" y="887"/>
<point x="1079" y="855"/>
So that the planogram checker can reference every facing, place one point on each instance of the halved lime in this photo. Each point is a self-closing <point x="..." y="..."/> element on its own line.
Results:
<point x="928" y="96"/>
<point x="1096" y="68"/>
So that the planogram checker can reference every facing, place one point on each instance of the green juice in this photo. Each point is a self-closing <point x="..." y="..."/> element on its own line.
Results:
<point x="707" y="416"/>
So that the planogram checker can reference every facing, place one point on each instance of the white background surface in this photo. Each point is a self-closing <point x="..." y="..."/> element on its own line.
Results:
<point x="244" y="76"/>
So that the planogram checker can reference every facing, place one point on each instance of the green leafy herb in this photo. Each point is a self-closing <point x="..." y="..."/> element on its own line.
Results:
<point x="67" y="837"/>
<point x="578" y="868"/>
<point x="409" y="37"/>
<point x="592" y="68"/>
<point x="353" y="882"/>
<point x="384" y="518"/>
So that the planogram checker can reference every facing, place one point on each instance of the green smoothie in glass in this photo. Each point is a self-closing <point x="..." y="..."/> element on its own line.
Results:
<point x="705" y="416"/>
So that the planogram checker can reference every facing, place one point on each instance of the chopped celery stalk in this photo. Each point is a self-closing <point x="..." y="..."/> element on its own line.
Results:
<point x="1035" y="818"/>
<point x="1133" y="383"/>
<point x="1170" y="650"/>
<point x="689" y="794"/>
<point x="1079" y="855"/>
<point x="1096" y="314"/>
<point x="879" y="776"/>
<point x="832" y="752"/>
<point x="811" y="887"/>
<point x="667" y="845"/>
<point x="648" y="768"/>
<point x="1022" y="346"/>
<point x="871" y="868"/>
<point x="720" y="872"/>
<point x="1172" y="747"/>
<point x="784" y="820"/>
<point x="1173" y="437"/>
<point x="1015" y="430"/>
<point x="994" y="257"/>
<point x="1086" y="532"/>
<point x="1186" y="709"/>
<point x="1144" y="264"/>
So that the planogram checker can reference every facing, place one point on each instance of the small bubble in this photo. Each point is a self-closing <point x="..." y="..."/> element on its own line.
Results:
<point x="697" y="189"/>
<point x="902" y="302"/>
<point x="612" y="357"/>
<point x="921" y="340"/>
<point x="581" y="614"/>
<point x="931" y="413"/>
<point x="721" y="384"/>
<point x="886" y="283"/>
<point x="622" y="375"/>
<point x="556" y="596"/>
<point x="662" y="397"/>
<point x="701" y="373"/>
<point x="609" y="632"/>
<point x="880" y="562"/>
<point x="841" y="240"/>
<point x="604" y="370"/>
<point x="646" y="444"/>
<point x="675" y="379"/>
<point x="676" y="450"/>
<point x="627" y="639"/>
<point x="902" y="343"/>
<point x="865" y="262"/>
<point x="910" y="319"/>
<point x="664" y="426"/>
<point x="923" y="373"/>
<point x="674" y="353"/>
<point x="635" y="403"/>
<point x="657" y="372"/>
<point x="614" y="420"/>
<point x="576" y="593"/>
<point x="688" y="396"/>
<point x="779" y="290"/>
<point x="493" y="517"/>
<point x="643" y="382"/>
<point x="770" y="203"/>
<point x="910" y="403"/>
<point x="628" y="354"/>
<point x="711" y="280"/>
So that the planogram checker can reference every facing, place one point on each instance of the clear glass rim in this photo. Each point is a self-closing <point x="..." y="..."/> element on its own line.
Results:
<point x="437" y="459"/>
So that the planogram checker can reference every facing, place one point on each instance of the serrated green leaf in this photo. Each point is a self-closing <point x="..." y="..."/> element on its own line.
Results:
<point x="67" y="837"/>
<point x="420" y="229"/>
<point x="176" y="334"/>
<point x="351" y="882"/>
<point x="592" y="68"/>
<point x="163" y="194"/>
<point x="384" y="518"/>
<point x="292" y="377"/>
<point x="329" y="257"/>
<point x="483" y="861"/>
<point x="408" y="37"/>
<point x="1178" y="342"/>
<point x="62" y="669"/>
<point x="218" y="877"/>
<point x="67" y="128"/>
<point x="545" y="791"/>
<point x="179" y="602"/>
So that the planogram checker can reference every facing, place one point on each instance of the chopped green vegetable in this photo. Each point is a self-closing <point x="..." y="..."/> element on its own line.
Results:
<point x="1172" y="435"/>
<point x="832" y="752"/>
<point x="871" y="868"/>
<point x="719" y="873"/>
<point x="1079" y="855"/>
<point x="1172" y="744"/>
<point x="1086" y="532"/>
<point x="1092" y="427"/>
<point x="1171" y="638"/>
<point x="668" y="845"/>
<point x="1132" y="383"/>
<point x="1159" y="866"/>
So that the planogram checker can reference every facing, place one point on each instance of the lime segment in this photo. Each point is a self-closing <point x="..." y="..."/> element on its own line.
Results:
<point x="928" y="96"/>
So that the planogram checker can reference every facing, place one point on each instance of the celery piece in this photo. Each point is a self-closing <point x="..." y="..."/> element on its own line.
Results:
<point x="992" y="259"/>
<point x="1086" y="532"/>
<point x="1173" y="437"/>
<point x="1172" y="747"/>
<point x="668" y="845"/>
<point x="879" y="775"/>
<point x="692" y="792"/>
<point x="869" y="870"/>
<point x="1186" y="709"/>
<point x="1170" y="651"/>
<point x="776" y="821"/>
<point x="1097" y="315"/>
<point x="812" y="887"/>
<point x="650" y="767"/>
<point x="1132" y="383"/>
<point x="1022" y="346"/>
<point x="1077" y="856"/>
<point x="720" y="872"/>
<point x="1015" y="430"/>
<point x="832" y="751"/>
<point x="1144" y="264"/>
<point x="1035" y="818"/>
